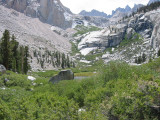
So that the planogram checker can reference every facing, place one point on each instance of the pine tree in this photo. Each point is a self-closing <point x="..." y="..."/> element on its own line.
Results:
<point x="158" y="53"/>
<point x="5" y="49"/>
<point x="12" y="56"/>
<point x="63" y="61"/>
<point x="68" y="62"/>
<point x="14" y="53"/>
<point x="21" y="64"/>
<point x="144" y="57"/>
<point x="25" y="64"/>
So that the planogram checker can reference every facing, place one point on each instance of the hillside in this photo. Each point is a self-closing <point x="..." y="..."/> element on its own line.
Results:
<point x="126" y="40"/>
<point x="55" y="65"/>
<point x="51" y="12"/>
<point x="33" y="33"/>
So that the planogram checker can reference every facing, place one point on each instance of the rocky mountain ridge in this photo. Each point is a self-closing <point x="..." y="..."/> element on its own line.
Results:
<point x="93" y="13"/>
<point x="140" y="31"/>
<point x="123" y="11"/>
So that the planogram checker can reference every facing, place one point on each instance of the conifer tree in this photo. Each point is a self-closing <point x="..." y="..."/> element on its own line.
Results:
<point x="63" y="61"/>
<point x="25" y="64"/>
<point x="12" y="56"/>
<point x="5" y="49"/>
<point x="14" y="53"/>
<point x="68" y="62"/>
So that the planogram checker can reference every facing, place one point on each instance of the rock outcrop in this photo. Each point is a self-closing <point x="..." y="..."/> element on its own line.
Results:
<point x="141" y="30"/>
<point x="2" y="69"/>
<point x="154" y="16"/>
<point x="63" y="75"/>
<point x="113" y="35"/>
<point x="49" y="11"/>
<point x="53" y="12"/>
<point x="19" y="5"/>
<point x="108" y="37"/>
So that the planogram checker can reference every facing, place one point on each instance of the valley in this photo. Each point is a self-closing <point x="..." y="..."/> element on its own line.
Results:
<point x="113" y="60"/>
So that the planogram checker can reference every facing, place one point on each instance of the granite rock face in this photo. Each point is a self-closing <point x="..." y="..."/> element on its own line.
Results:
<point x="144" y="26"/>
<point x="19" y="5"/>
<point x="154" y="16"/>
<point x="130" y="33"/>
<point x="63" y="75"/>
<point x="53" y="12"/>
<point x="48" y="11"/>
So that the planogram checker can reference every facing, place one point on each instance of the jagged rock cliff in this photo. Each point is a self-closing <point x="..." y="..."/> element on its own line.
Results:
<point x="53" y="12"/>
<point x="49" y="11"/>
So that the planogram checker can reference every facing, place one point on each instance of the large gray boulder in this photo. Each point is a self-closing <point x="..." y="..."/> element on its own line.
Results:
<point x="2" y="69"/>
<point x="63" y="75"/>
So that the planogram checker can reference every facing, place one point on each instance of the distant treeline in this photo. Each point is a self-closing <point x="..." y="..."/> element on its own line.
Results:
<point x="144" y="9"/>
<point x="150" y="7"/>
<point x="13" y="56"/>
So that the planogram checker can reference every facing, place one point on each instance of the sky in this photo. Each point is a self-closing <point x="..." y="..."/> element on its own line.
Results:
<point x="106" y="6"/>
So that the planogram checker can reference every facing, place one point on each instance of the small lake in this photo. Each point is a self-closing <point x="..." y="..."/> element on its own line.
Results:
<point x="80" y="77"/>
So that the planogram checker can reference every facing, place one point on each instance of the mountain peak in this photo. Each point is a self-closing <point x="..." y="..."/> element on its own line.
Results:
<point x="93" y="13"/>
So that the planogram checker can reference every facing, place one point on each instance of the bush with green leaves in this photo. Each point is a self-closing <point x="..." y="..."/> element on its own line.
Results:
<point x="118" y="91"/>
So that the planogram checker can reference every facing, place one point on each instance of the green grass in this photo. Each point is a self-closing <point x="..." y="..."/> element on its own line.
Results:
<point x="127" y="42"/>
<point x="118" y="91"/>
<point x="74" y="49"/>
<point x="46" y="74"/>
<point x="83" y="30"/>
<point x="87" y="74"/>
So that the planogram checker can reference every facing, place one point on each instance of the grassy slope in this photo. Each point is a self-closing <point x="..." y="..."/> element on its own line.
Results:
<point x="83" y="29"/>
<point x="118" y="91"/>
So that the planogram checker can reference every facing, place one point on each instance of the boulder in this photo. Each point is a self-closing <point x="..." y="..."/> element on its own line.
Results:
<point x="130" y="33"/>
<point x="2" y="69"/>
<point x="63" y="75"/>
